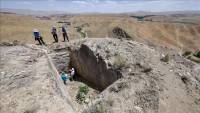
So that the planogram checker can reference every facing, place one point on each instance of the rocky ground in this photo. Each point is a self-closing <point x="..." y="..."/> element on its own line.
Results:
<point x="123" y="76"/>
<point x="152" y="81"/>
<point x="60" y="57"/>
<point x="27" y="83"/>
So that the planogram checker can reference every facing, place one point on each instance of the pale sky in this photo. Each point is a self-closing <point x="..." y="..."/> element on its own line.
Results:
<point x="103" y="6"/>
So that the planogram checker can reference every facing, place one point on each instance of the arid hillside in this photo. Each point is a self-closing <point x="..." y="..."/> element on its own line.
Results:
<point x="20" y="27"/>
<point x="180" y="31"/>
<point x="174" y="31"/>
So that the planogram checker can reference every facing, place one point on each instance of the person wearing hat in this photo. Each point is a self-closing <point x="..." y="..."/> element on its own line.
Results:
<point x="64" y="34"/>
<point x="54" y="33"/>
<point x="38" y="37"/>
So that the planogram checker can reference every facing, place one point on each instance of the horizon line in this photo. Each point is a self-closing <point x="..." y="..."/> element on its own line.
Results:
<point x="145" y="11"/>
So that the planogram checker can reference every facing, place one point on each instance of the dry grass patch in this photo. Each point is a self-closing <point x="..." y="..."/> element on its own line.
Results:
<point x="119" y="62"/>
<point x="15" y="27"/>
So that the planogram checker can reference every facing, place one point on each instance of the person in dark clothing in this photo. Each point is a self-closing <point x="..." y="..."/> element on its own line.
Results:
<point x="54" y="33"/>
<point x="65" y="36"/>
<point x="38" y="37"/>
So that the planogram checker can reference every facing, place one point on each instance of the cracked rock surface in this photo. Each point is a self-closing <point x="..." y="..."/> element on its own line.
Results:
<point x="27" y="84"/>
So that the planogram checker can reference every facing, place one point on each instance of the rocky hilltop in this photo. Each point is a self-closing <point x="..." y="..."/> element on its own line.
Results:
<point x="131" y="77"/>
<point x="144" y="82"/>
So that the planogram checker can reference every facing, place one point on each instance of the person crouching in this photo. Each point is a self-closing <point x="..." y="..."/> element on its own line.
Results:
<point x="64" y="77"/>
<point x="38" y="37"/>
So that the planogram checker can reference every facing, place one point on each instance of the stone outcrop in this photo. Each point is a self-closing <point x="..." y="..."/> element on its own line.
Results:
<point x="120" y="33"/>
<point x="147" y="85"/>
<point x="93" y="68"/>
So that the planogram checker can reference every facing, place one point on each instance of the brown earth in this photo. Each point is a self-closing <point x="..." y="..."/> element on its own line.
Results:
<point x="181" y="32"/>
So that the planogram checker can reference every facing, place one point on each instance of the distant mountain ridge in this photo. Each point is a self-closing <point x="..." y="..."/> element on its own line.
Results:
<point x="47" y="13"/>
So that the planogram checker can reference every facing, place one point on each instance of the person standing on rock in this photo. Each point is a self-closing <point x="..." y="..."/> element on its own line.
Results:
<point x="38" y="37"/>
<point x="54" y="33"/>
<point x="65" y="36"/>
<point x="64" y="77"/>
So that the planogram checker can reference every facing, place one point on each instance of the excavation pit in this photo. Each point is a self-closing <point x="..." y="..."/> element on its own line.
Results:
<point x="90" y="68"/>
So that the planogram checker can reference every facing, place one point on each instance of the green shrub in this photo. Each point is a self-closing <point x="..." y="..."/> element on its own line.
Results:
<point x="100" y="108"/>
<point x="80" y="31"/>
<point x="83" y="35"/>
<point x="84" y="89"/>
<point x="81" y="95"/>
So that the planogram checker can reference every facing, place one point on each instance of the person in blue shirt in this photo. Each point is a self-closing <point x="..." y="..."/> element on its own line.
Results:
<point x="38" y="37"/>
<point x="65" y="36"/>
<point x="54" y="33"/>
<point x="64" y="77"/>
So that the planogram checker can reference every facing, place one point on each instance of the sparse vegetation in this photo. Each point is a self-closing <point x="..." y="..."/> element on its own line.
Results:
<point x="193" y="56"/>
<point x="197" y="54"/>
<point x="110" y="101"/>
<point x="120" y="33"/>
<point x="100" y="108"/>
<point x="119" y="87"/>
<point x="81" y="95"/>
<point x="146" y="70"/>
<point x="122" y="85"/>
<point x="158" y="34"/>
<point x="119" y="62"/>
<point x="187" y="53"/>
<point x="141" y="18"/>
<point x="20" y="28"/>
<point x="30" y="111"/>
<point x="194" y="59"/>
<point x="81" y="32"/>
